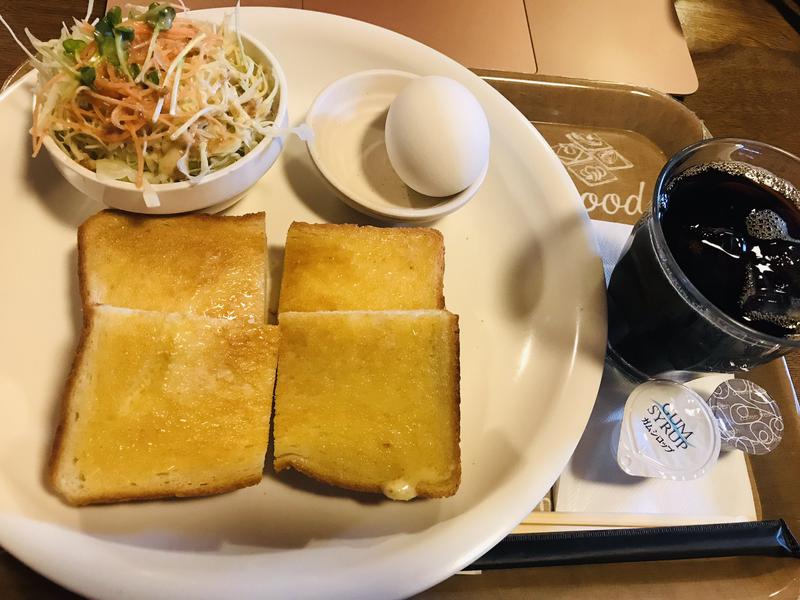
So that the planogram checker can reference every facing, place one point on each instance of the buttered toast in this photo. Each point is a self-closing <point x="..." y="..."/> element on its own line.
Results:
<point x="351" y="267"/>
<point x="161" y="405"/>
<point x="197" y="264"/>
<point x="369" y="400"/>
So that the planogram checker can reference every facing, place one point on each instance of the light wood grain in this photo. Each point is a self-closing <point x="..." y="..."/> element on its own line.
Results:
<point x="747" y="57"/>
<point x="44" y="21"/>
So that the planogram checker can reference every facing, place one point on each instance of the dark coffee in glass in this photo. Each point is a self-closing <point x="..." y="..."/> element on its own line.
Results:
<point x="710" y="280"/>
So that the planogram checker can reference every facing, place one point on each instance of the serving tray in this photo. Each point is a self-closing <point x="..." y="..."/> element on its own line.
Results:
<point x="614" y="139"/>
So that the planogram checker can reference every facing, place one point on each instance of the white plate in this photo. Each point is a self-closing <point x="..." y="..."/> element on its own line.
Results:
<point x="521" y="272"/>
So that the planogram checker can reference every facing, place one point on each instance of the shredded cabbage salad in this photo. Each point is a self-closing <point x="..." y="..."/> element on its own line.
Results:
<point x="151" y="97"/>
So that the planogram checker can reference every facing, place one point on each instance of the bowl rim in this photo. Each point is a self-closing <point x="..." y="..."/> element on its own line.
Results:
<point x="448" y="203"/>
<point x="62" y="157"/>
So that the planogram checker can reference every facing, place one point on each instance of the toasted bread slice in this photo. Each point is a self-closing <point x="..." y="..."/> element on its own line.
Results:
<point x="162" y="405"/>
<point x="347" y="267"/>
<point x="369" y="400"/>
<point x="197" y="264"/>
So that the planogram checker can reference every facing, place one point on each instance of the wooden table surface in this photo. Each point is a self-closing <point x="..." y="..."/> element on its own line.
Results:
<point x="747" y="57"/>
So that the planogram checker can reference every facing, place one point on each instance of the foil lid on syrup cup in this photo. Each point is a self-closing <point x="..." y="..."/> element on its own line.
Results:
<point x="748" y="418"/>
<point x="668" y="432"/>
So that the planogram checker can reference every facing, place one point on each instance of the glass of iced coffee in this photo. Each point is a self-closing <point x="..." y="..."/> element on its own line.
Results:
<point x="710" y="279"/>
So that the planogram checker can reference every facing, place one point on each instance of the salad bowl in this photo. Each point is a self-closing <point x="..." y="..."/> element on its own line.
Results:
<point x="214" y="192"/>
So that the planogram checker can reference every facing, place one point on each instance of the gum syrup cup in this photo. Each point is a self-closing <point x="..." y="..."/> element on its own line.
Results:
<point x="669" y="431"/>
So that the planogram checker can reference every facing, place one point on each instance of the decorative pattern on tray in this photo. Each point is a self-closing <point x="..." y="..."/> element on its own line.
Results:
<point x="614" y="170"/>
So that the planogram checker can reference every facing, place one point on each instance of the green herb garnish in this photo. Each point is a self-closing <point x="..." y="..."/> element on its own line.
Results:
<point x="121" y="49"/>
<point x="114" y="16"/>
<point x="113" y="39"/>
<point x="158" y="16"/>
<point x="73" y="47"/>
<point x="125" y="33"/>
<point x="86" y="76"/>
<point x="153" y="77"/>
<point x="104" y="37"/>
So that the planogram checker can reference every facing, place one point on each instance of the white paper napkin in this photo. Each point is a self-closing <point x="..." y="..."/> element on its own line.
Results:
<point x="594" y="483"/>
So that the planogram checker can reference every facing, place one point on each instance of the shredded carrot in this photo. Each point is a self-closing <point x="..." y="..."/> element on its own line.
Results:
<point x="120" y="109"/>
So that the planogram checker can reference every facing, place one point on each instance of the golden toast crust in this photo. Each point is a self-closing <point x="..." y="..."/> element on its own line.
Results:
<point x="65" y="403"/>
<point x="437" y="489"/>
<point x="191" y="225"/>
<point x="254" y="349"/>
<point x="199" y="264"/>
<point x="360" y="267"/>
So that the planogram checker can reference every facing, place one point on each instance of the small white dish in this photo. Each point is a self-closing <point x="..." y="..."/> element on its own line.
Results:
<point x="348" y="119"/>
<point x="213" y="193"/>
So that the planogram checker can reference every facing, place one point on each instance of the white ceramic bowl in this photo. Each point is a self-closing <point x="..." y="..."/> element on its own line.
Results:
<point x="348" y="119"/>
<point x="214" y="192"/>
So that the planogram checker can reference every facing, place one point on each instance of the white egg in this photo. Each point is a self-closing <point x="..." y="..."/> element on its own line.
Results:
<point x="437" y="136"/>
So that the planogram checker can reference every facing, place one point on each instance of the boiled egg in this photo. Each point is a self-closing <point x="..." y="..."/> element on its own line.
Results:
<point x="437" y="136"/>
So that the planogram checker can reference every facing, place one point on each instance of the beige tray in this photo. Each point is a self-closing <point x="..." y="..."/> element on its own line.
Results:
<point x="661" y="126"/>
<point x="637" y="128"/>
<point x="634" y="131"/>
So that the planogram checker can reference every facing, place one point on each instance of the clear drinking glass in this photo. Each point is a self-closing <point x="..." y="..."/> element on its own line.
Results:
<point x="658" y="321"/>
